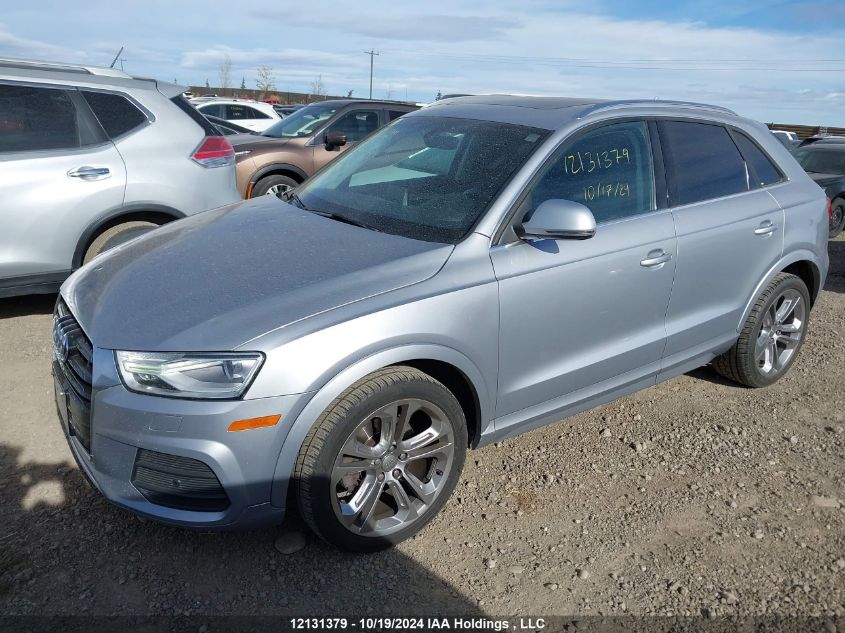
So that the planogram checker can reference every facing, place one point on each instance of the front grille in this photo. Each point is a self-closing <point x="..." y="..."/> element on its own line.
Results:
<point x="73" y="362"/>
<point x="178" y="482"/>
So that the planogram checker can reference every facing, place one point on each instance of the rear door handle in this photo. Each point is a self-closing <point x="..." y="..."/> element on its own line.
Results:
<point x="90" y="173"/>
<point x="765" y="228"/>
<point x="656" y="259"/>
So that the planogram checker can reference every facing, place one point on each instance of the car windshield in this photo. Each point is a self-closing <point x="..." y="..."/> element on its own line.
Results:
<point x="821" y="160"/>
<point x="301" y="123"/>
<point x="424" y="177"/>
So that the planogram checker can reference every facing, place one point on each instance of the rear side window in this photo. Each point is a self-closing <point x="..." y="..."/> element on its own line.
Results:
<point x="702" y="160"/>
<point x="213" y="109"/>
<point x="37" y="119"/>
<point x="240" y="112"/>
<point x="115" y="113"/>
<point x="394" y="114"/>
<point x="759" y="164"/>
<point x="608" y="169"/>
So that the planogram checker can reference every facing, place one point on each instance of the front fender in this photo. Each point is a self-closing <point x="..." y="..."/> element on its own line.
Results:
<point x="323" y="397"/>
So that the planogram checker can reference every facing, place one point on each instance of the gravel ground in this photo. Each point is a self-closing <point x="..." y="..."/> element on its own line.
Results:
<point x="695" y="497"/>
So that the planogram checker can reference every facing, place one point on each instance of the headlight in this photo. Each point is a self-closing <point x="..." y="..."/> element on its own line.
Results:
<point x="188" y="375"/>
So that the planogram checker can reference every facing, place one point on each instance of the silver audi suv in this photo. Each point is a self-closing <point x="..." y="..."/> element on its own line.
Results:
<point x="474" y="270"/>
<point x="90" y="158"/>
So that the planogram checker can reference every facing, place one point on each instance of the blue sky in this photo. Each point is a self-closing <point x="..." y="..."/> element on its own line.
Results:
<point x="774" y="61"/>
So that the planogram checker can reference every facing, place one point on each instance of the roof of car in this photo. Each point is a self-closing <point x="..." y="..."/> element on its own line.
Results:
<point x="81" y="74"/>
<point x="339" y="103"/>
<point x="548" y="112"/>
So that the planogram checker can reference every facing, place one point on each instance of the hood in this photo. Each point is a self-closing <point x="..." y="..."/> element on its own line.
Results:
<point x="221" y="278"/>
<point x="826" y="179"/>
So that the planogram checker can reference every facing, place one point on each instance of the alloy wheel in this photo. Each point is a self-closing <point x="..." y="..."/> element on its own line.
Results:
<point x="781" y="332"/>
<point x="392" y="467"/>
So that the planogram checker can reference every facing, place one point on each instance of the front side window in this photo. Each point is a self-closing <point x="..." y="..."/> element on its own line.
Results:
<point x="608" y="169"/>
<point x="115" y="113"/>
<point x="37" y="119"/>
<point x="702" y="162"/>
<point x="424" y="177"/>
<point x="356" y="125"/>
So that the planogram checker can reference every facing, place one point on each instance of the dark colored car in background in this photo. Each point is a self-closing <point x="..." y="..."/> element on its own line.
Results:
<point x="293" y="149"/>
<point x="824" y="161"/>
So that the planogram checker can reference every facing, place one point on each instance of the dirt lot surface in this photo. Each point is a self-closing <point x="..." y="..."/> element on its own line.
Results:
<point x="694" y="497"/>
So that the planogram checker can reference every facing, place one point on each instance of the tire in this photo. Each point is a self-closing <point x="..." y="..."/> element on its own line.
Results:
<point x="354" y="421"/>
<point x="837" y="217"/>
<point x="115" y="236"/>
<point x="754" y="366"/>
<point x="263" y="186"/>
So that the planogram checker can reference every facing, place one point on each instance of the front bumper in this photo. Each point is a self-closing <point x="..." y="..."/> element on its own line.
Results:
<point x="126" y="426"/>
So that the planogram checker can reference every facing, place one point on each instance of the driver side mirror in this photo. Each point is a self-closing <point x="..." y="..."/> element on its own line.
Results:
<point x="334" y="139"/>
<point x="558" y="220"/>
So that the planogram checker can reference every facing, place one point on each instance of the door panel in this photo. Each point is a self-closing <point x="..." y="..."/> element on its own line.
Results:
<point x="57" y="175"/>
<point x="45" y="210"/>
<point x="576" y="313"/>
<point x="729" y="235"/>
<point x="725" y="247"/>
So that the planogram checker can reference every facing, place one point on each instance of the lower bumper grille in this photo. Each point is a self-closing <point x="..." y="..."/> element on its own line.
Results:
<point x="178" y="482"/>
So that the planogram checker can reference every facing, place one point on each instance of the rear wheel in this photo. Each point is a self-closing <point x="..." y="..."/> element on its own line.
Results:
<point x="382" y="460"/>
<point x="771" y="336"/>
<point x="273" y="185"/>
<point x="116" y="236"/>
<point x="837" y="217"/>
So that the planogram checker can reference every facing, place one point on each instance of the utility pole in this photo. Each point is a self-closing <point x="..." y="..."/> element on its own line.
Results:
<point x="372" y="54"/>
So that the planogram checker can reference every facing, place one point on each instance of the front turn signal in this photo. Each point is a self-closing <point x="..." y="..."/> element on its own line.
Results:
<point x="255" y="423"/>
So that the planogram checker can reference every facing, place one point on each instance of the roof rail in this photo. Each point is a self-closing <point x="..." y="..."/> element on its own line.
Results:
<point x="28" y="64"/>
<point x="613" y="105"/>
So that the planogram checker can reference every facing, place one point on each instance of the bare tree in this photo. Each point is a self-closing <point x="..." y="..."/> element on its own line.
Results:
<point x="349" y="93"/>
<point x="265" y="79"/>
<point x="225" y="72"/>
<point x="317" y="87"/>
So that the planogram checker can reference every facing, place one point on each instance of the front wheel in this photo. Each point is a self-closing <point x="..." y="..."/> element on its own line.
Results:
<point x="772" y="334"/>
<point x="382" y="460"/>
<point x="837" y="217"/>
<point x="274" y="185"/>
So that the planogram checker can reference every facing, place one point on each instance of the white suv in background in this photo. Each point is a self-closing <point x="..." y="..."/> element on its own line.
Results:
<point x="254" y="115"/>
<point x="90" y="158"/>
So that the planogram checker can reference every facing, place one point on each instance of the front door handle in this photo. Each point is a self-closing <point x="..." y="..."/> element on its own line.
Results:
<point x="765" y="228"/>
<point x="90" y="173"/>
<point x="656" y="259"/>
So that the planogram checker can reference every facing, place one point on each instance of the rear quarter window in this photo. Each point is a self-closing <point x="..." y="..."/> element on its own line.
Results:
<point x="760" y="165"/>
<point x="117" y="114"/>
<point x="702" y="161"/>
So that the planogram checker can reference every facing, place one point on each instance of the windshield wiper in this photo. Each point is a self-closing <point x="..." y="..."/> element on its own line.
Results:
<point x="290" y="194"/>
<point x="344" y="219"/>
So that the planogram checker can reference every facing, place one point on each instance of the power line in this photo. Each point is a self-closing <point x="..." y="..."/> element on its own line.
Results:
<point x="372" y="53"/>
